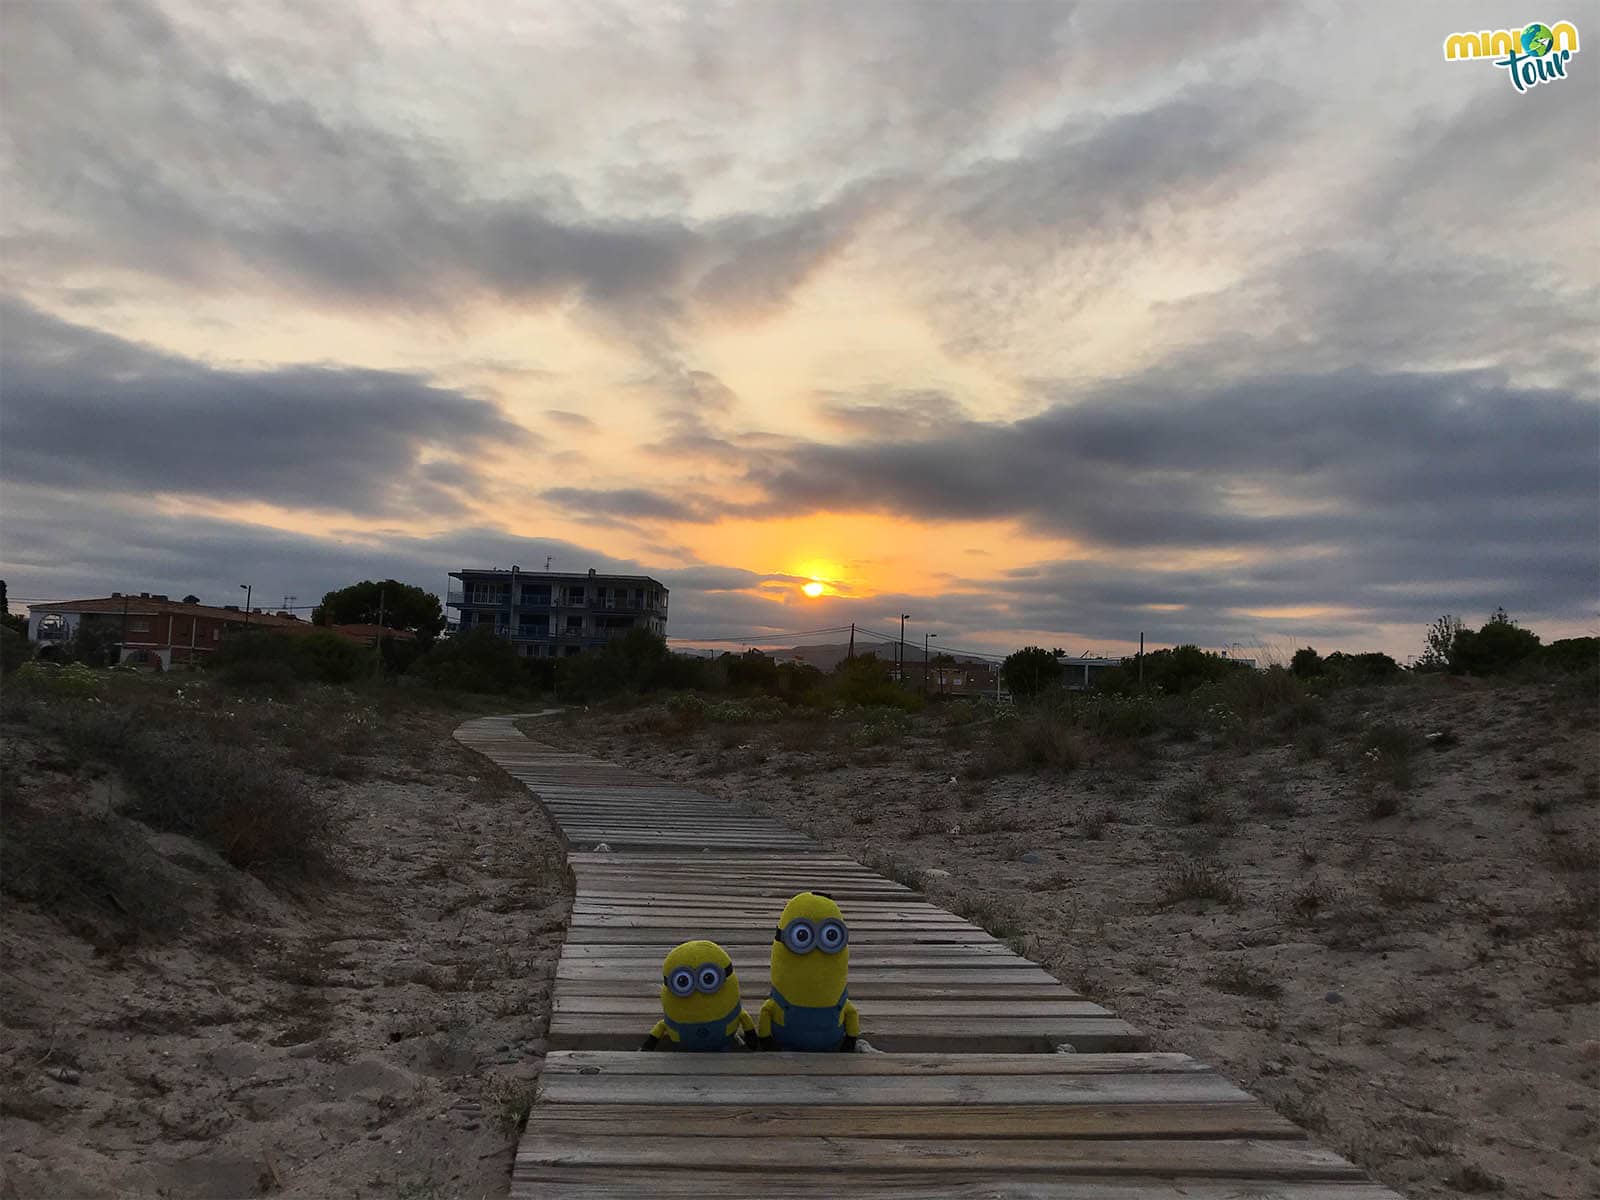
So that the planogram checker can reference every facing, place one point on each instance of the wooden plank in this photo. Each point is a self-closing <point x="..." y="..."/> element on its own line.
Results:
<point x="902" y="1035"/>
<point x="958" y="1011"/>
<point x="941" y="974"/>
<point x="1005" y="1120"/>
<point x="867" y="993"/>
<point x="1238" y="1158"/>
<point x="537" y="1182"/>
<point x="725" y="935"/>
<point x="1102" y="1088"/>
<point x="603" y="1062"/>
<point x="970" y="954"/>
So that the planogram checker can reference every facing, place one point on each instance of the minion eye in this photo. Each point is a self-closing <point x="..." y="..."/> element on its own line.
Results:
<point x="799" y="936"/>
<point x="681" y="982"/>
<point x="710" y="978"/>
<point x="833" y="935"/>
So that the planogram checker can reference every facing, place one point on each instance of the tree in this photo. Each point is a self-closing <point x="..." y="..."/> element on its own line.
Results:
<point x="477" y="661"/>
<point x="1306" y="663"/>
<point x="191" y="598"/>
<point x="1180" y="670"/>
<point x="18" y="623"/>
<point x="1439" y="643"/>
<point x="400" y="605"/>
<point x="1495" y="648"/>
<point x="1030" y="670"/>
<point x="96" y="644"/>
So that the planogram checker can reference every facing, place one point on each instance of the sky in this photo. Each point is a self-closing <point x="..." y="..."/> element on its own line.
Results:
<point x="1249" y="324"/>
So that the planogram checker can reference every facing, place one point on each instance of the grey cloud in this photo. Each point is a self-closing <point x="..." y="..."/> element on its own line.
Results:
<point x="168" y="163"/>
<point x="1095" y="173"/>
<point x="893" y="413"/>
<point x="91" y="411"/>
<point x="627" y="503"/>
<point x="570" y="419"/>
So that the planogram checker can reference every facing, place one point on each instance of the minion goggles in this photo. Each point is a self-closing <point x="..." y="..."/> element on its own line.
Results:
<point x="802" y="936"/>
<point x="707" y="978"/>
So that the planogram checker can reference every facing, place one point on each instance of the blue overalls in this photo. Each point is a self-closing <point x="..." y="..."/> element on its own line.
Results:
<point x="705" y="1035"/>
<point x="808" y="1028"/>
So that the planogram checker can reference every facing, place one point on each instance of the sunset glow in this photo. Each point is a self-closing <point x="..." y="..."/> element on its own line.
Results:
<point x="908" y="308"/>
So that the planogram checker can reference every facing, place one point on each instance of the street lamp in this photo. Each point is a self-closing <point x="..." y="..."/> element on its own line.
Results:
<point x="247" y="588"/>
<point x="925" y="638"/>
<point x="904" y="617"/>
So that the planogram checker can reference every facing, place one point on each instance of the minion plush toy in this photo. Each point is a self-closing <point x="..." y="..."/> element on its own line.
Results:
<point x="700" y="1001"/>
<point x="809" y="1008"/>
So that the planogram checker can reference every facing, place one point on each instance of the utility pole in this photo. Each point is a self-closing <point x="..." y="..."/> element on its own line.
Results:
<point x="248" y="588"/>
<point x="377" y="642"/>
<point x="925" y="638"/>
<point x="122" y="646"/>
<point x="1141" y="660"/>
<point x="851" y="653"/>
<point x="904" y="617"/>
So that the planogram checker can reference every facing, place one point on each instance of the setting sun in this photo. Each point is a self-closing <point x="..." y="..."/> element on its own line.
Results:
<point x="813" y="589"/>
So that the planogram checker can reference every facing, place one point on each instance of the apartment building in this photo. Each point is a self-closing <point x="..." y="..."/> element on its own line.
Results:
<point x="554" y="614"/>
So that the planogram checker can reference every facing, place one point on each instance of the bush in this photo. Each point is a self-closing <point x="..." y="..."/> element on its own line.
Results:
<point x="15" y="649"/>
<point x="1030" y="671"/>
<point x="72" y="680"/>
<point x="1174" y="672"/>
<point x="1355" y="670"/>
<point x="1305" y="663"/>
<point x="256" y="814"/>
<point x="88" y="872"/>
<point x="1192" y="879"/>
<point x="1572" y="654"/>
<point x="477" y="661"/>
<point x="1494" y="649"/>
<point x="325" y="657"/>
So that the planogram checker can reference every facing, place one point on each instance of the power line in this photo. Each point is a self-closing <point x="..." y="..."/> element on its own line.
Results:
<point x="771" y="636"/>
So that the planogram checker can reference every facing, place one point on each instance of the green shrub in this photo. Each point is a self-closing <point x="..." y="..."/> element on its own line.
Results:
<point x="1494" y="649"/>
<point x="325" y="657"/>
<point x="72" y="680"/>
<point x="1572" y="654"/>
<point x="1030" y="671"/>
<point x="91" y="873"/>
<point x="256" y="814"/>
<point x="15" y="649"/>
<point x="1306" y="663"/>
<point x="1357" y="670"/>
<point x="477" y="661"/>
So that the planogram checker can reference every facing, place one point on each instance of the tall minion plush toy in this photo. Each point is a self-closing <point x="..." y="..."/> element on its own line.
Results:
<point x="700" y="1001"/>
<point x="810" y="1008"/>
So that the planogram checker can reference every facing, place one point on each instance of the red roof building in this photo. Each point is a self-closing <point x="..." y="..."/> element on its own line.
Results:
<point x="153" y="629"/>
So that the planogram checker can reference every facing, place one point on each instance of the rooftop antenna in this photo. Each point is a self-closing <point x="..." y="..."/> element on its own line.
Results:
<point x="547" y="562"/>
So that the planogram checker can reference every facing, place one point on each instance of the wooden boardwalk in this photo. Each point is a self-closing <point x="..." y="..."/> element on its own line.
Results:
<point x="970" y="1097"/>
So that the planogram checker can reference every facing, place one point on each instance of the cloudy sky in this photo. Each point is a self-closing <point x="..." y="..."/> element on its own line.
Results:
<point x="1237" y="323"/>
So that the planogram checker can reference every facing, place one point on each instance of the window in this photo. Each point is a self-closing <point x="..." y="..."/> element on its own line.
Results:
<point x="574" y="624"/>
<point x="138" y="625"/>
<point x="575" y="595"/>
<point x="536" y="595"/>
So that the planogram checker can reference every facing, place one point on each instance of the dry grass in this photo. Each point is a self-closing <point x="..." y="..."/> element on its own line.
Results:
<point x="1195" y="879"/>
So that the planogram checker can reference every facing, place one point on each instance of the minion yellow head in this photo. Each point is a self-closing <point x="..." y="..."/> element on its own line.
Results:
<point x="697" y="982"/>
<point x="811" y="951"/>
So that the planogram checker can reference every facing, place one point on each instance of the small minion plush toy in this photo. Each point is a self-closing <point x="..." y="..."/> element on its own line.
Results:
<point x="809" y="1008"/>
<point x="700" y="1001"/>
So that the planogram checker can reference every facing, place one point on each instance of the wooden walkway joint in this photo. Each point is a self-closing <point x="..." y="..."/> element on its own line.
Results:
<point x="968" y="1098"/>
